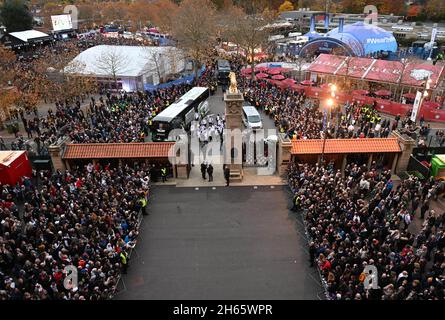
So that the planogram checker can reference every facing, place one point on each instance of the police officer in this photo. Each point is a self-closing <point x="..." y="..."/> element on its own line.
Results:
<point x="203" y="170"/>
<point x="210" y="172"/>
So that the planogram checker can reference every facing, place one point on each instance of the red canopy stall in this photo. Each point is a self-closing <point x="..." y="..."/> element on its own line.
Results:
<point x="13" y="166"/>
<point x="374" y="70"/>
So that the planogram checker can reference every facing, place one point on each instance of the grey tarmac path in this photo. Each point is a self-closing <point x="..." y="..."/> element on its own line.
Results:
<point x="222" y="243"/>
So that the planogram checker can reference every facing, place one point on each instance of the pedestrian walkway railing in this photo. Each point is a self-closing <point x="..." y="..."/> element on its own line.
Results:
<point x="317" y="267"/>
<point x="120" y="279"/>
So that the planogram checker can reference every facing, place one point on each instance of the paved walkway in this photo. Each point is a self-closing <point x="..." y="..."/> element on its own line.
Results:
<point x="223" y="243"/>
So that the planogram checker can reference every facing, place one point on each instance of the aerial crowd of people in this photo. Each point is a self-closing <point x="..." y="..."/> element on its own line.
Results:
<point x="364" y="218"/>
<point x="88" y="217"/>
<point x="85" y="218"/>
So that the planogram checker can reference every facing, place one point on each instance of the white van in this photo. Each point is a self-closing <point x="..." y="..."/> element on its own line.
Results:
<point x="252" y="118"/>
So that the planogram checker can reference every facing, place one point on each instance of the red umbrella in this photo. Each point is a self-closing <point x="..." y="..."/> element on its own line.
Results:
<point x="274" y="70"/>
<point x="307" y="83"/>
<point x="360" y="92"/>
<point x="262" y="75"/>
<point x="410" y="96"/>
<point x="295" y="87"/>
<point x="288" y="81"/>
<point x="431" y="105"/>
<point x="261" y="69"/>
<point x="383" y="93"/>
<point x="278" y="77"/>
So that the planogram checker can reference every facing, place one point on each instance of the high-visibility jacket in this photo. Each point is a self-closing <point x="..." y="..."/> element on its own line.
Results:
<point x="123" y="258"/>
<point x="164" y="172"/>
<point x="143" y="202"/>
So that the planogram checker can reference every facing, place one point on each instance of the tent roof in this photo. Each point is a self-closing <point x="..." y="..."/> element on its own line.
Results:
<point x="28" y="35"/>
<point x="8" y="157"/>
<point x="135" y="60"/>
<point x="377" y="70"/>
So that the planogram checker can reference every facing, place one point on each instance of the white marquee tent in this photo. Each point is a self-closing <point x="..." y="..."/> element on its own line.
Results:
<point x="134" y="66"/>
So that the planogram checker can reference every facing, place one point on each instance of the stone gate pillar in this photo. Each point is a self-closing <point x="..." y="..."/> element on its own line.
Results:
<point x="234" y="127"/>
<point x="407" y="145"/>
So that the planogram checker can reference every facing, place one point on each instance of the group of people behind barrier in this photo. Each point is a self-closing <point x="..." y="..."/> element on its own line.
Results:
<point x="364" y="218"/>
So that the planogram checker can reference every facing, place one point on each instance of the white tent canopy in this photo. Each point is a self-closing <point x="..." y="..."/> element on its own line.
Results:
<point x="130" y="61"/>
<point x="28" y="35"/>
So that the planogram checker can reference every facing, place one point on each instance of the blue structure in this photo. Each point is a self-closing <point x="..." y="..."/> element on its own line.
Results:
<point x="357" y="39"/>
<point x="313" y="35"/>
<point x="186" y="79"/>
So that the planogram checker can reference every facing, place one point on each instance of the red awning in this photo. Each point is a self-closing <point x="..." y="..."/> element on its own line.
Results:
<point x="378" y="70"/>
<point x="354" y="67"/>
<point x="383" y="93"/>
<point x="431" y="105"/>
<point x="410" y="96"/>
<point x="360" y="92"/>
<point x="326" y="63"/>
<point x="384" y="71"/>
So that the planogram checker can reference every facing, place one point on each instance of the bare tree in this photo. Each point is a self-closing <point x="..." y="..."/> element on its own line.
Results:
<point x="112" y="62"/>
<point x="194" y="29"/>
<point x="250" y="32"/>
<point x="299" y="62"/>
<point x="155" y="62"/>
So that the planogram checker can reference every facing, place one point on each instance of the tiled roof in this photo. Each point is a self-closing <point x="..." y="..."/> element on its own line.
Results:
<point x="118" y="150"/>
<point x="335" y="146"/>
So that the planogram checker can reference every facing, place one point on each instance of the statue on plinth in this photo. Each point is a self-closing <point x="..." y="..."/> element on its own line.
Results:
<point x="232" y="88"/>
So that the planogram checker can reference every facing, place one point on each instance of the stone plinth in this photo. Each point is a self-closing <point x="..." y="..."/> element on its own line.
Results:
<point x="233" y="114"/>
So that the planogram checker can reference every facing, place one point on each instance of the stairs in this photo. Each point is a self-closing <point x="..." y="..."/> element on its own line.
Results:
<point x="236" y="175"/>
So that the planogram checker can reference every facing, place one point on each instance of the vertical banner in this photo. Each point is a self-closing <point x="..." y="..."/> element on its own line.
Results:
<point x="326" y="21"/>
<point x="312" y="27"/>
<point x="341" y="23"/>
<point x="416" y="106"/>
<point x="433" y="36"/>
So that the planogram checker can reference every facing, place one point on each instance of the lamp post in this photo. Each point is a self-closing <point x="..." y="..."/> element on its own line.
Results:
<point x="329" y="104"/>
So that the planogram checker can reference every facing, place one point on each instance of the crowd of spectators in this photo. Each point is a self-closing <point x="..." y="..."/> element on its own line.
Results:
<point x="296" y="115"/>
<point x="86" y="217"/>
<point x="365" y="218"/>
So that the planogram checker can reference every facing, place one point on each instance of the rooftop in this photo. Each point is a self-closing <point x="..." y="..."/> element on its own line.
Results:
<point x="118" y="150"/>
<point x="343" y="146"/>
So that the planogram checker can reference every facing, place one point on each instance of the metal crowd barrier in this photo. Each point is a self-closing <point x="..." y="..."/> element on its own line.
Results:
<point x="119" y="280"/>
<point x="323" y="281"/>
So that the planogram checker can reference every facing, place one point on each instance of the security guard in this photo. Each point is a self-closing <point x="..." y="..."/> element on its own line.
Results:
<point x="143" y="202"/>
<point x="164" y="174"/>
<point x="124" y="261"/>
<point x="296" y="202"/>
